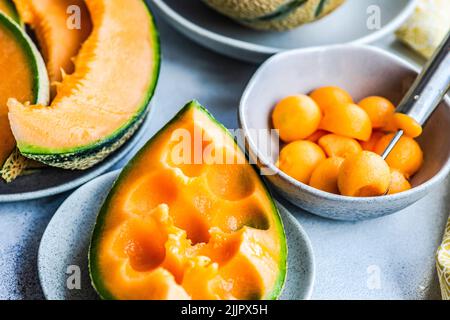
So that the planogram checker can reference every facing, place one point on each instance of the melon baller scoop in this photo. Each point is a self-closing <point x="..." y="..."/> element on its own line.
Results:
<point x="427" y="91"/>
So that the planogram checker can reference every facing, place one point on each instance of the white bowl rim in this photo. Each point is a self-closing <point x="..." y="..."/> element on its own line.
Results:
<point x="268" y="50"/>
<point x="441" y="175"/>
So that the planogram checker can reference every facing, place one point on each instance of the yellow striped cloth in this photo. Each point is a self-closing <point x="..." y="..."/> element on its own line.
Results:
<point x="443" y="264"/>
<point x="427" y="27"/>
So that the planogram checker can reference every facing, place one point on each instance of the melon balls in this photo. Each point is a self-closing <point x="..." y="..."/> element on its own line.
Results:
<point x="349" y="120"/>
<point x="299" y="159"/>
<point x="296" y="117"/>
<point x="325" y="176"/>
<point x="406" y="157"/>
<point x="338" y="146"/>
<point x="328" y="97"/>
<point x="399" y="183"/>
<point x="335" y="145"/>
<point x="379" y="109"/>
<point x="365" y="174"/>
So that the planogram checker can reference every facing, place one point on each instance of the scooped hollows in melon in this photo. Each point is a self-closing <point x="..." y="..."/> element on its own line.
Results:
<point x="188" y="230"/>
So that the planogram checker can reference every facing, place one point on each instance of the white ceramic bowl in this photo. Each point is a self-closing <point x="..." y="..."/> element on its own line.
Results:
<point x="363" y="71"/>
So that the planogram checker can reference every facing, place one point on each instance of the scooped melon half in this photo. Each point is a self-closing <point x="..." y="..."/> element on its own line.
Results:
<point x="274" y="14"/>
<point x="8" y="9"/>
<point x="61" y="27"/>
<point x="99" y="106"/>
<point x="23" y="77"/>
<point x="181" y="222"/>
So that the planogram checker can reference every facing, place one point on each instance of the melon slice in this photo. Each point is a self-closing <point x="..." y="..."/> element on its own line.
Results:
<point x="7" y="8"/>
<point x="202" y="226"/>
<point x="100" y="106"/>
<point x="61" y="27"/>
<point x="23" y="77"/>
<point x="278" y="15"/>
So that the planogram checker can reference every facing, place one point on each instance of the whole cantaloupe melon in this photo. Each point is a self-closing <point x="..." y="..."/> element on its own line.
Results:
<point x="274" y="14"/>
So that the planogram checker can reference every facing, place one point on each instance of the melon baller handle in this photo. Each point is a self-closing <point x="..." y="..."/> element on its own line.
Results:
<point x="427" y="91"/>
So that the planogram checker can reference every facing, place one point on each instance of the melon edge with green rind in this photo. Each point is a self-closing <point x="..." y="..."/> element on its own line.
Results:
<point x="41" y="86"/>
<point x="94" y="270"/>
<point x="83" y="158"/>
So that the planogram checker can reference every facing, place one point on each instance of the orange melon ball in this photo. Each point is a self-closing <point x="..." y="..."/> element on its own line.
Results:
<point x="299" y="159"/>
<point x="398" y="182"/>
<point x="410" y="127"/>
<point x="347" y="120"/>
<point x="406" y="157"/>
<point x="325" y="176"/>
<point x="338" y="146"/>
<point x="379" y="109"/>
<point x="296" y="117"/>
<point x="327" y="97"/>
<point x="315" y="137"/>
<point x="374" y="138"/>
<point x="365" y="174"/>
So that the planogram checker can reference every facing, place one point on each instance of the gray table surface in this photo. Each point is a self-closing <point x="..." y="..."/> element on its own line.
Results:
<point x="388" y="258"/>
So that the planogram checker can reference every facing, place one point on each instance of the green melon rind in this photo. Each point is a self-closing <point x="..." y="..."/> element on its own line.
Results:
<point x="41" y="86"/>
<point x="94" y="269"/>
<point x="82" y="158"/>
<point x="15" y="163"/>
<point x="89" y="157"/>
<point x="12" y="12"/>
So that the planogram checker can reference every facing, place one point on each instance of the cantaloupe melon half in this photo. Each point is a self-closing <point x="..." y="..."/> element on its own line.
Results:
<point x="189" y="218"/>
<point x="102" y="104"/>
<point x="61" y="27"/>
<point x="23" y="77"/>
<point x="7" y="8"/>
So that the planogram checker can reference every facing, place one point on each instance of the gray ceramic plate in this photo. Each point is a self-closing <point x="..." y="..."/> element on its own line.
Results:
<point x="347" y="24"/>
<point x="64" y="247"/>
<point x="52" y="181"/>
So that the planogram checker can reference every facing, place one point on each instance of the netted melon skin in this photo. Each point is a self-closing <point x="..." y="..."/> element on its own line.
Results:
<point x="245" y="9"/>
<point x="274" y="15"/>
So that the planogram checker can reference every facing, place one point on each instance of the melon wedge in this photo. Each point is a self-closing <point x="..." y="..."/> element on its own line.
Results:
<point x="100" y="106"/>
<point x="200" y="228"/>
<point x="61" y="27"/>
<point x="23" y="77"/>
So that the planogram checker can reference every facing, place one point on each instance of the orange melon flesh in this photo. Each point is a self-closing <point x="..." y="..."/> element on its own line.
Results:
<point x="208" y="233"/>
<point x="58" y="36"/>
<point x="17" y="80"/>
<point x="109" y="88"/>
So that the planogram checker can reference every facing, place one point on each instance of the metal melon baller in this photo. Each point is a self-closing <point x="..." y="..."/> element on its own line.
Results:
<point x="427" y="91"/>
